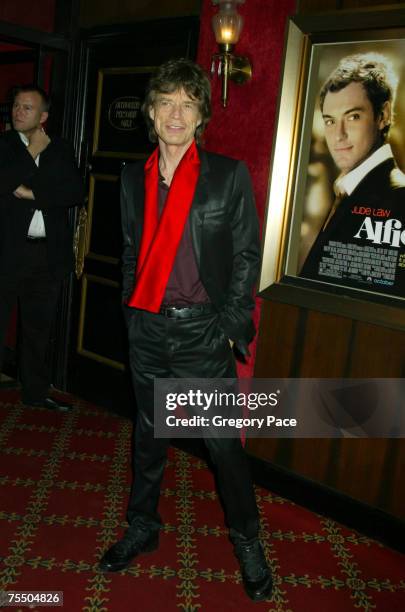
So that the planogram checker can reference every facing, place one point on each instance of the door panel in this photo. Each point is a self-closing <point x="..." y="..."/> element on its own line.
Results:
<point x="104" y="239"/>
<point x="102" y="344"/>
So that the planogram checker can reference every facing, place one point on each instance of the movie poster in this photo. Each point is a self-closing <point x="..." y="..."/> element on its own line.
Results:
<point x="353" y="221"/>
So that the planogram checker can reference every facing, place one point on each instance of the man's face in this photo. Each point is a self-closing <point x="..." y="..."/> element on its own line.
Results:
<point x="27" y="114"/>
<point x="176" y="117"/>
<point x="352" y="131"/>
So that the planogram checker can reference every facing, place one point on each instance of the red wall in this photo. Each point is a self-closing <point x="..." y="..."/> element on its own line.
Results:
<point x="38" y="14"/>
<point x="244" y="129"/>
<point x="14" y="74"/>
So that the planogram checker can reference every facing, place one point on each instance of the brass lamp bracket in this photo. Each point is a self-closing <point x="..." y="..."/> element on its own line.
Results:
<point x="235" y="67"/>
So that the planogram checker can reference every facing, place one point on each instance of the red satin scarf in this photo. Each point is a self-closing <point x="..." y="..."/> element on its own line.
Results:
<point x="161" y="237"/>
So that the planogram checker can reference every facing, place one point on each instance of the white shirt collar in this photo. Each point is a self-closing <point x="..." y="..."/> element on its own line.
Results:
<point x="349" y="181"/>
<point x="27" y="142"/>
<point x="24" y="138"/>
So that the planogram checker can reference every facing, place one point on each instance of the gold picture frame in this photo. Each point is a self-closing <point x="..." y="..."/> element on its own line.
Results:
<point x="313" y="43"/>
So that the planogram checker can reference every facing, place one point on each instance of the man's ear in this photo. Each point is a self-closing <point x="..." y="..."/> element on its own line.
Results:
<point x="43" y="118"/>
<point x="152" y="112"/>
<point x="385" y="115"/>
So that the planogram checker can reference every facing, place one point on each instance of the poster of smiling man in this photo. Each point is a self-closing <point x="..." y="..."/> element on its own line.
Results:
<point x="336" y="209"/>
<point x="353" y="228"/>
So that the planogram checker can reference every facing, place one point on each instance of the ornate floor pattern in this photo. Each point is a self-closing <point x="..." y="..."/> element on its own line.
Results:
<point x="64" y="482"/>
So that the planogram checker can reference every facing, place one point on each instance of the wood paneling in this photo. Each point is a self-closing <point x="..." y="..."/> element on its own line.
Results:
<point x="377" y="351"/>
<point x="394" y="476"/>
<point x="277" y="349"/>
<point x="360" y="469"/>
<point x="317" y="358"/>
<point x="296" y="341"/>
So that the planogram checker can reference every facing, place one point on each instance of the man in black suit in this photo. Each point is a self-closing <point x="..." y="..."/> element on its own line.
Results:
<point x="39" y="182"/>
<point x="362" y="242"/>
<point x="190" y="262"/>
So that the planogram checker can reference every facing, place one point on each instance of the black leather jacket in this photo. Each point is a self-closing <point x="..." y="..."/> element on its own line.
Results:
<point x="225" y="234"/>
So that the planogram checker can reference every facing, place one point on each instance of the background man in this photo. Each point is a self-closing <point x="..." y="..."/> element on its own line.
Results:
<point x="39" y="181"/>
<point x="358" y="243"/>
<point x="191" y="257"/>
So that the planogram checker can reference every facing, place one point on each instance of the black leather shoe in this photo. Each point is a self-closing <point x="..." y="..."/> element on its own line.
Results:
<point x="51" y="404"/>
<point x="136" y="540"/>
<point x="255" y="571"/>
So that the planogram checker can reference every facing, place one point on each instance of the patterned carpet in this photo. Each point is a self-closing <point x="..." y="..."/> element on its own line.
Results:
<point x="64" y="481"/>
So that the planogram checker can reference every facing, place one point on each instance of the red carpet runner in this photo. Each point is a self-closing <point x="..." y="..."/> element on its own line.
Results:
<point x="64" y="482"/>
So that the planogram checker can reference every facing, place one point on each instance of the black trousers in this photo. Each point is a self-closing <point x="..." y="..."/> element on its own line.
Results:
<point x="162" y="347"/>
<point x="37" y="295"/>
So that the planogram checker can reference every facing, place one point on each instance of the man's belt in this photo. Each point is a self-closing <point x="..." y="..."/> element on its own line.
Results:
<point x="187" y="312"/>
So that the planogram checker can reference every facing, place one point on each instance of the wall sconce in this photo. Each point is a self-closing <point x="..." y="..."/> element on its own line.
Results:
<point x="227" y="25"/>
